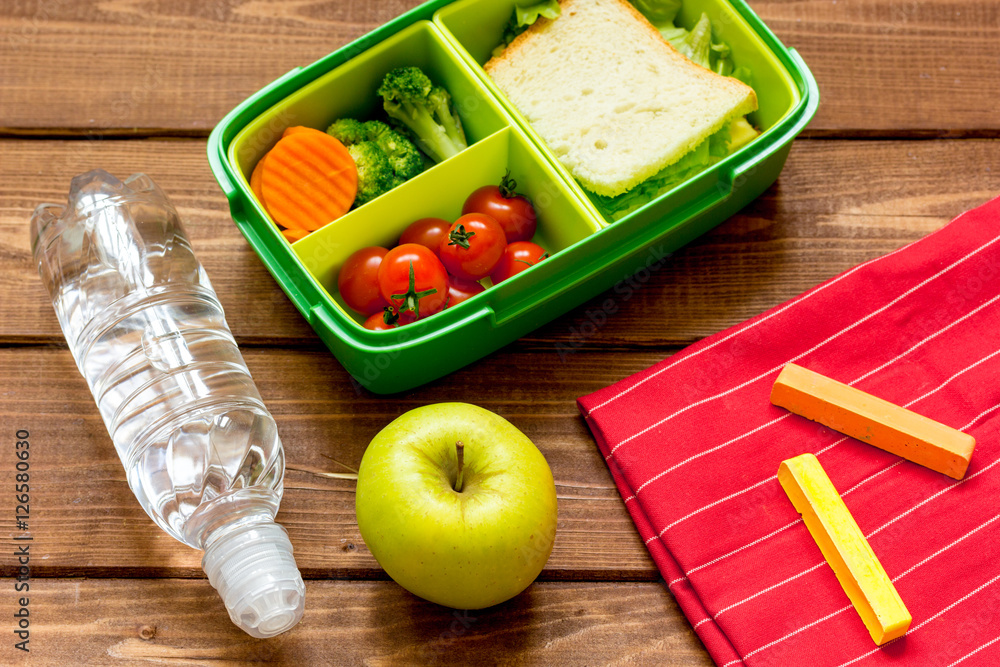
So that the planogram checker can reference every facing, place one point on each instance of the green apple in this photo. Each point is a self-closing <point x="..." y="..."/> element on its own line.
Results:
<point x="457" y="505"/>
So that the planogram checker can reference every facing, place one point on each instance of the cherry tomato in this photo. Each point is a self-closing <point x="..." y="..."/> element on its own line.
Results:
<point x="474" y="245"/>
<point x="513" y="211"/>
<point x="459" y="290"/>
<point x="387" y="319"/>
<point x="516" y="258"/>
<point x="377" y="322"/>
<point x="427" y="232"/>
<point x="413" y="280"/>
<point x="358" y="280"/>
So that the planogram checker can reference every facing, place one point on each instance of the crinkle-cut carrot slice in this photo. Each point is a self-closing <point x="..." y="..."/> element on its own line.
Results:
<point x="257" y="170"/>
<point x="255" y="181"/>
<point x="308" y="180"/>
<point x="298" y="128"/>
<point x="255" y="186"/>
<point x="255" y="176"/>
<point x="293" y="234"/>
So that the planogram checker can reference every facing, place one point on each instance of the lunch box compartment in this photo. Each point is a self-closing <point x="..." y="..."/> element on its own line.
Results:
<point x="450" y="41"/>
<point x="475" y="27"/>
<point x="440" y="193"/>
<point x="349" y="91"/>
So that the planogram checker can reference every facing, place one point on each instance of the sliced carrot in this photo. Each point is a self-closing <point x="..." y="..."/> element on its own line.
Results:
<point x="258" y="170"/>
<point x="298" y="128"/>
<point x="294" y="234"/>
<point x="255" y="180"/>
<point x="308" y="180"/>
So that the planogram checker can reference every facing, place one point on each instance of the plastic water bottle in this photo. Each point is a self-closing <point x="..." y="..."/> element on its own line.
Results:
<point x="201" y="451"/>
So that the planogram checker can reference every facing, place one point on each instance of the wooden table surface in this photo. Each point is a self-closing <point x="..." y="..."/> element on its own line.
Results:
<point x="906" y="137"/>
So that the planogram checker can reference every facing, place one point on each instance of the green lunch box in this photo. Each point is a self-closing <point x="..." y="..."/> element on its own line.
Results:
<point x="450" y="40"/>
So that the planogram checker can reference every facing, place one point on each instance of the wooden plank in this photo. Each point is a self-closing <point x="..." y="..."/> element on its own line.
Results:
<point x="354" y="623"/>
<point x="836" y="204"/>
<point x="176" y="66"/>
<point x="883" y="66"/>
<point x="86" y="521"/>
<point x="896" y="67"/>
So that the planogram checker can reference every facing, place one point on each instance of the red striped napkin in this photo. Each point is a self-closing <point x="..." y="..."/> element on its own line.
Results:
<point x="694" y="446"/>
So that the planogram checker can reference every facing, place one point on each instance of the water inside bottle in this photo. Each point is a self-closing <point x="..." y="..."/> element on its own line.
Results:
<point x="151" y="339"/>
<point x="200" y="450"/>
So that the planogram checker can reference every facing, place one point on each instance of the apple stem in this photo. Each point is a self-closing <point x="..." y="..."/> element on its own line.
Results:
<point x="460" y="452"/>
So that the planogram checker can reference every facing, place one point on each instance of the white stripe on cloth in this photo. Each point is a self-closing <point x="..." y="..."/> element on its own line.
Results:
<point x="880" y="528"/>
<point x="787" y="525"/>
<point x="873" y="651"/>
<point x="874" y="532"/>
<point x="868" y="374"/>
<point x="831" y="338"/>
<point x="963" y="658"/>
<point x="790" y="634"/>
<point x="896" y="578"/>
<point x="924" y="622"/>
<point x="816" y="622"/>
<point x="827" y="448"/>
<point x="779" y="311"/>
<point x="708" y="451"/>
<point x="930" y="498"/>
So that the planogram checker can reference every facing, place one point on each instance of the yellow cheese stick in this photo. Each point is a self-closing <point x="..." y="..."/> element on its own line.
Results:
<point x="872" y="420"/>
<point x="845" y="548"/>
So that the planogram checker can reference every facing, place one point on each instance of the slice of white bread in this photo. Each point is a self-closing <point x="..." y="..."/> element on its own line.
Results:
<point x="613" y="100"/>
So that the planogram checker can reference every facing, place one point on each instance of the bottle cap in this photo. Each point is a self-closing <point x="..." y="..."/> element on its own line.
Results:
<point x="253" y="569"/>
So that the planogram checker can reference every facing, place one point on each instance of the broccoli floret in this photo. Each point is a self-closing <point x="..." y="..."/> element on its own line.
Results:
<point x="410" y="98"/>
<point x="375" y="176"/>
<point x="404" y="157"/>
<point x="384" y="157"/>
<point x="375" y="129"/>
<point x="348" y="131"/>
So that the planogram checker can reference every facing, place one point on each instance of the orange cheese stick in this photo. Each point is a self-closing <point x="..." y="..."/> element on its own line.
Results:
<point x="845" y="548"/>
<point x="872" y="420"/>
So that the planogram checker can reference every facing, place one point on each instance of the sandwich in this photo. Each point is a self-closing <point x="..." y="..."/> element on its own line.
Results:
<point x="612" y="98"/>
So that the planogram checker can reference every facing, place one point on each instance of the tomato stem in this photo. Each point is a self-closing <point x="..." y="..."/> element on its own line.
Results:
<point x="540" y="258"/>
<point x="508" y="186"/>
<point x="411" y="297"/>
<point x="389" y="316"/>
<point x="460" y="237"/>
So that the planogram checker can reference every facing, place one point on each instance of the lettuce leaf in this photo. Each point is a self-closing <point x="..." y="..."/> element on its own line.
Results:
<point x="525" y="16"/>
<point x="732" y="136"/>
<point x="693" y="162"/>
<point x="697" y="43"/>
<point x="658" y="11"/>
